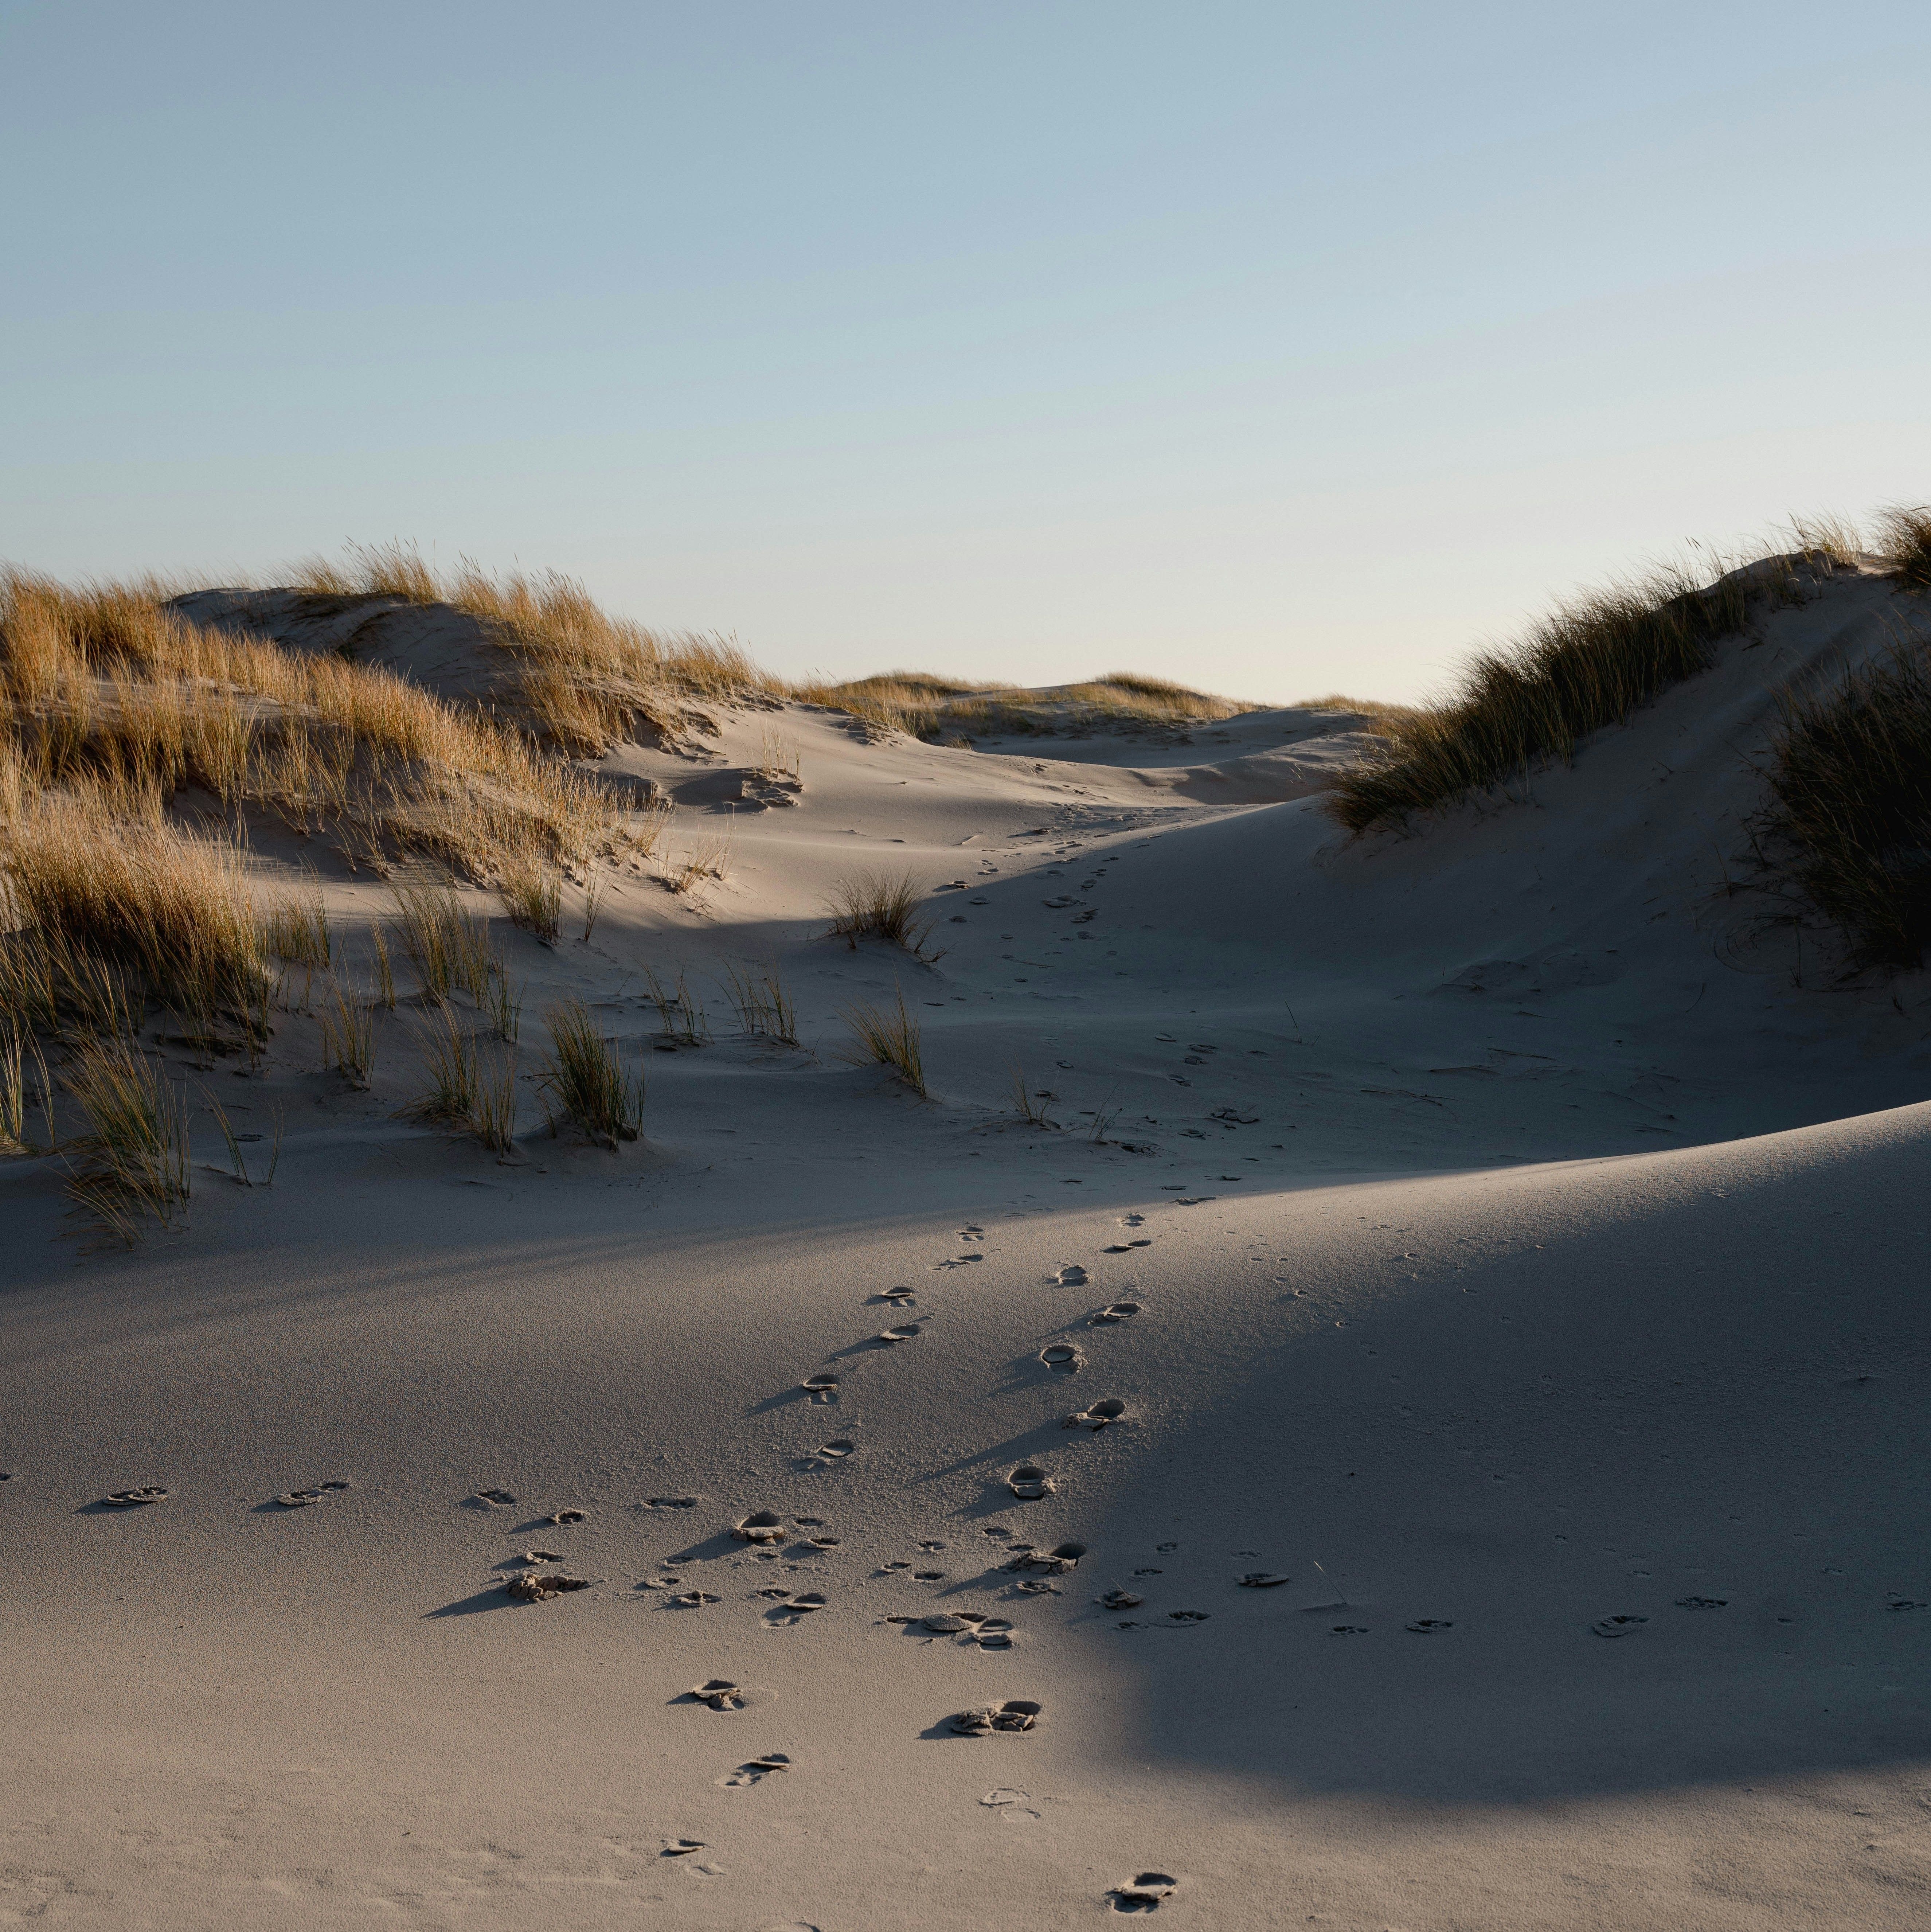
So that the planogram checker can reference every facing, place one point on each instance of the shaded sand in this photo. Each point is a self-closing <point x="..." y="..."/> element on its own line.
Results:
<point x="1533" y="1275"/>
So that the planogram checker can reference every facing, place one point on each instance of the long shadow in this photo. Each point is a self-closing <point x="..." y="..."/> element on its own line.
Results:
<point x="484" y="1600"/>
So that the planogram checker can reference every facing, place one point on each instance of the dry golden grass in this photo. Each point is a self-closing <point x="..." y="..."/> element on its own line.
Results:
<point x="1904" y="542"/>
<point x="879" y="905"/>
<point x="583" y="1080"/>
<point x="936" y="708"/>
<point x="888" y="1037"/>
<point x="134" y="1159"/>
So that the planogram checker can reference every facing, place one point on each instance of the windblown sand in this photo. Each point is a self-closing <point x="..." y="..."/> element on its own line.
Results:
<point x="1529" y="1237"/>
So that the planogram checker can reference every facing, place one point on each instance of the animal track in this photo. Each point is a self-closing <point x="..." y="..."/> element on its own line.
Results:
<point x="530" y="1589"/>
<point x="1016" y="1714"/>
<point x="1097" y="1416"/>
<point x="1144" y="1894"/>
<point x="1618" y="1626"/>
<point x="763" y="1527"/>
<point x="1063" y="1358"/>
<point x="134" y="1498"/>
<point x="1029" y="1483"/>
<point x="1113" y="1311"/>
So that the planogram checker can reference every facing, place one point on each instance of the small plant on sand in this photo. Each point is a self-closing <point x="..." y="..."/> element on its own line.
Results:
<point x="449" y="949"/>
<point x="1904" y="542"/>
<point x="763" y="1007"/>
<point x="887" y="1036"/>
<point x="298" y="930"/>
<point x="704" y="866"/>
<point x="879" y="905"/>
<point x="533" y="896"/>
<point x="134" y="1156"/>
<point x="348" y="1035"/>
<point x="17" y="1047"/>
<point x="452" y="1074"/>
<point x="1032" y="1107"/>
<point x="582" y="1079"/>
<point x="680" y="1018"/>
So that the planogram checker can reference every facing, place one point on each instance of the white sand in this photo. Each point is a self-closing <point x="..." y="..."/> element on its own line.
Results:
<point x="1570" y="1267"/>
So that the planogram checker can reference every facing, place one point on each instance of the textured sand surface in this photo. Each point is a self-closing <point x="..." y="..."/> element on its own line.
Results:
<point x="1532" y="1235"/>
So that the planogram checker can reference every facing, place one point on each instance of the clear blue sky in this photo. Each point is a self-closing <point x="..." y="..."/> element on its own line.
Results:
<point x="1276" y="348"/>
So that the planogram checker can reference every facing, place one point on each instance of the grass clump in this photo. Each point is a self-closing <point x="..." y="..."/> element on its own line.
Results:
<point x="348" y="1036"/>
<point x="533" y="896"/>
<point x="1904" y="542"/>
<point x="1850" y="811"/>
<point x="879" y="905"/>
<point x="763" y="1007"/>
<point x="449" y="949"/>
<point x="462" y="1090"/>
<point x="882" y="1036"/>
<point x="581" y="1076"/>
<point x="1590" y="663"/>
<point x="134" y="1159"/>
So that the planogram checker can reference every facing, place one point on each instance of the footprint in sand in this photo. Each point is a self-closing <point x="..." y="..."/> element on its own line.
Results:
<point x="539" y="1556"/>
<point x="957" y="1260"/>
<point x="822" y="1542"/>
<point x="1618" y="1626"/>
<point x="1029" y="1483"/>
<point x="531" y="1588"/>
<point x="695" y="1600"/>
<point x="1014" y="1808"/>
<point x="899" y="1297"/>
<point x="1119" y="1600"/>
<point x="1017" y="1714"/>
<point x="1428" y="1626"/>
<point x="1061" y="1559"/>
<point x="835" y="1451"/>
<point x="672" y="1502"/>
<point x="1063" y="1358"/>
<point x="682" y="1848"/>
<point x="1071" y="1276"/>
<point x="298" y="1498"/>
<point x="1262" y="1580"/>
<point x="495" y="1498"/>
<point x="565" y="1516"/>
<point x="1127" y="1247"/>
<point x="972" y="1231"/>
<point x="761" y="1527"/>
<point x="755" y="1770"/>
<point x="1144" y="1894"/>
<point x="1132" y="1220"/>
<point x="721" y="1694"/>
<point x="792" y="1610"/>
<point x="821" y="1388"/>
<point x="1114" y="1311"/>
<point x="1702" y="1603"/>
<point x="133" y="1498"/>
<point x="1187" y="1616"/>
<point x="1097" y="1416"/>
<point x="1351" y="1630"/>
<point x="891" y="1337"/>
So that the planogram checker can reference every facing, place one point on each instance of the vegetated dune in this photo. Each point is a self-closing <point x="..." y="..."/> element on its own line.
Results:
<point x="1456" y="1284"/>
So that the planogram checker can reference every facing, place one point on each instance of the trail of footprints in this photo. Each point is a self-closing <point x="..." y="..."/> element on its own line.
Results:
<point x="1032" y="1571"/>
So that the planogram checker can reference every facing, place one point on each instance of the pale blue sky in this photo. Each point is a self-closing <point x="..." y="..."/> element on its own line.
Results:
<point x="1277" y="349"/>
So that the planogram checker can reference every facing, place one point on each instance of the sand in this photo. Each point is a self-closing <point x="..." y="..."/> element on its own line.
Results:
<point x="1529" y="1237"/>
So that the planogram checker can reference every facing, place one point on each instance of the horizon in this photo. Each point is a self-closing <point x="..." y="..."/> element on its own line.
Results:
<point x="1023" y="349"/>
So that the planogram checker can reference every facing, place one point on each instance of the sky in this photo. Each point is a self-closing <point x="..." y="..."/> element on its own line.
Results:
<point x="1281" y="349"/>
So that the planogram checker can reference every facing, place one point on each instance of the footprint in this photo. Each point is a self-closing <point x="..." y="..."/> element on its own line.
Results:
<point x="1014" y="1808"/>
<point x="1097" y="1416"/>
<point x="796" y="1609"/>
<point x="1428" y="1626"/>
<point x="1057" y="1561"/>
<point x="569" y="1516"/>
<point x="835" y="1451"/>
<point x="995" y="1633"/>
<point x="1029" y="1483"/>
<point x="1016" y="1714"/>
<point x="672" y="1502"/>
<point x="928" y="1576"/>
<point x="957" y="1260"/>
<point x="539" y="1556"/>
<point x="1702" y="1603"/>
<point x="1262" y="1580"/>
<point x="298" y="1498"/>
<point x="755" y="1770"/>
<point x="820" y="1388"/>
<point x="1351" y="1630"/>
<point x="1114" y="1311"/>
<point x="1063" y="1358"/>
<point x="1127" y="1247"/>
<point x="1119" y="1600"/>
<point x="528" y="1588"/>
<point x="695" y="1600"/>
<point x="822" y="1542"/>
<point x="1132" y="1220"/>
<point x="972" y="1231"/>
<point x="1037" y="1586"/>
<point x="1187" y="1616"/>
<point x="682" y="1848"/>
<point x="890" y="1336"/>
<point x="1071" y="1276"/>
<point x="900" y="1297"/>
<point x="763" y="1526"/>
<point x="1165" y="1547"/>
<point x="1144" y="1894"/>
<point x="1618" y="1626"/>
<point x="721" y="1694"/>
<point x="133" y="1498"/>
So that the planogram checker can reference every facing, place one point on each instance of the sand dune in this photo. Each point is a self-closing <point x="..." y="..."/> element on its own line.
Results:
<point x="1467" y="1325"/>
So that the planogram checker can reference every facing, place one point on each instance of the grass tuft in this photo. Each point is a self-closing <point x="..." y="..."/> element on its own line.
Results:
<point x="884" y="1037"/>
<point x="583" y="1078"/>
<point x="764" y="1008"/>
<point x="533" y="896"/>
<point x="134" y="1155"/>
<point x="348" y="1036"/>
<point x="879" y="905"/>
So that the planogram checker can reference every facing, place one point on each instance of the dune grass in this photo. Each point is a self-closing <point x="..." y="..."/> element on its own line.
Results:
<point x="763" y="1006"/>
<point x="1850" y="813"/>
<point x="348" y="1036"/>
<point x="888" y="1037"/>
<point x="883" y="906"/>
<point x="1589" y="663"/>
<point x="133" y="1159"/>
<point x="583" y="1082"/>
<point x="924" y="705"/>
